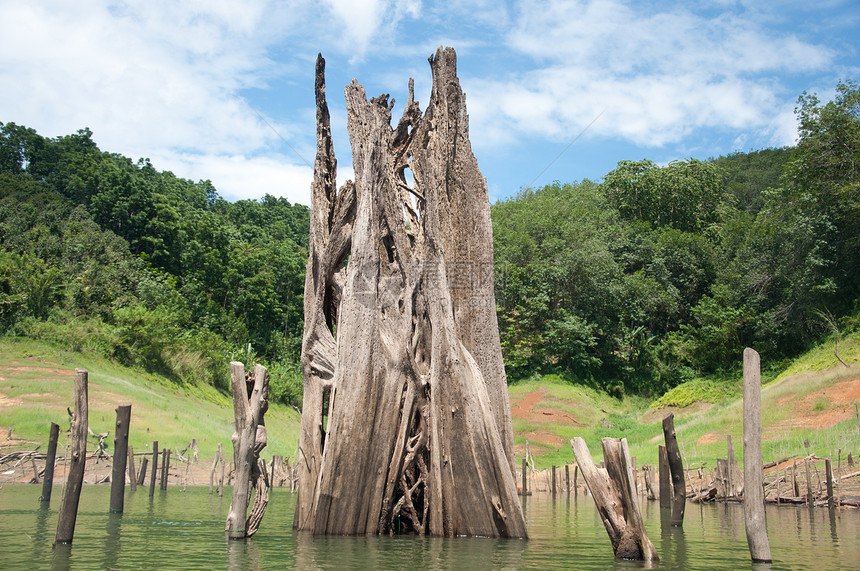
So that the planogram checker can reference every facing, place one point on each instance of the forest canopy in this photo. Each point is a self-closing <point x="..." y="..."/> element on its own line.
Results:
<point x="649" y="278"/>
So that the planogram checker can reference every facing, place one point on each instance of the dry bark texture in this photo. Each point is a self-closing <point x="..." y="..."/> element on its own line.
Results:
<point x="406" y="422"/>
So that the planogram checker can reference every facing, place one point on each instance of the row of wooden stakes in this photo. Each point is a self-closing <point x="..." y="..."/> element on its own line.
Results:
<point x="789" y="480"/>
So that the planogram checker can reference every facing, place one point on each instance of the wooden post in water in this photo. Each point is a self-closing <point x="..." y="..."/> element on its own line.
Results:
<point x="614" y="491"/>
<point x="794" y="485"/>
<point x="50" y="460"/>
<point x="809" y="500"/>
<point x="553" y="479"/>
<point x="141" y="478"/>
<point x="276" y="460"/>
<point x="525" y="479"/>
<point x="575" y="477"/>
<point x="676" y="470"/>
<point x="665" y="477"/>
<point x="132" y="472"/>
<point x="221" y="477"/>
<point x="649" y="489"/>
<point x="730" y="460"/>
<point x="219" y="457"/>
<point x="154" y="477"/>
<point x="754" y="516"/>
<point x="838" y="476"/>
<point x="567" y="477"/>
<point x="249" y="439"/>
<point x="165" y="466"/>
<point x="828" y="468"/>
<point x="120" y="457"/>
<point x="80" y="419"/>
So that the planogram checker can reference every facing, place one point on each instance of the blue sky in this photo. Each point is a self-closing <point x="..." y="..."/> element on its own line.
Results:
<point x="223" y="90"/>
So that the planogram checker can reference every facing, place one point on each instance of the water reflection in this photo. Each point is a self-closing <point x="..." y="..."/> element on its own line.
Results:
<point x="61" y="558"/>
<point x="112" y="540"/>
<point x="243" y="555"/>
<point x="186" y="530"/>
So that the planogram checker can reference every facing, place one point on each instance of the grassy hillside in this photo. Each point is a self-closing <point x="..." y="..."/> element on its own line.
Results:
<point x="812" y="399"/>
<point x="36" y="386"/>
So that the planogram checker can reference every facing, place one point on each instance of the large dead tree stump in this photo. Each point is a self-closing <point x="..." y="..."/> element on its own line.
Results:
<point x="406" y="421"/>
<point x="250" y="403"/>
<point x="614" y="491"/>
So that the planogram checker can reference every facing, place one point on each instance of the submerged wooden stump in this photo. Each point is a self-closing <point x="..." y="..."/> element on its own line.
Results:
<point x="614" y="491"/>
<point x="754" y="516"/>
<point x="676" y="470"/>
<point x="154" y="475"/>
<point x="401" y="348"/>
<point x="50" y="460"/>
<point x="250" y="403"/>
<point x="78" y="436"/>
<point x="120" y="457"/>
<point x="665" y="477"/>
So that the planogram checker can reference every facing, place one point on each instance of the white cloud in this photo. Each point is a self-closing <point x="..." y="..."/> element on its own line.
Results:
<point x="151" y="75"/>
<point x="239" y="177"/>
<point x="659" y="75"/>
<point x="183" y="82"/>
<point x="359" y="23"/>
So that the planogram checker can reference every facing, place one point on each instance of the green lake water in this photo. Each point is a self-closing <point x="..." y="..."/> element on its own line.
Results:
<point x="185" y="530"/>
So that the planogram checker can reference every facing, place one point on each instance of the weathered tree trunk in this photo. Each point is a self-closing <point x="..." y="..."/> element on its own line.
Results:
<point x="120" y="457"/>
<point x="78" y="434"/>
<point x="614" y="491"/>
<point x="676" y="470"/>
<point x="405" y="421"/>
<point x="250" y="403"/>
<point x="754" y="516"/>
<point x="50" y="460"/>
<point x="665" y="477"/>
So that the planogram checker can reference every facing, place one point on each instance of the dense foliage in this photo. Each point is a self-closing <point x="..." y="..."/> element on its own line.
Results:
<point x="655" y="276"/>
<point x="660" y="274"/>
<point x="150" y="269"/>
